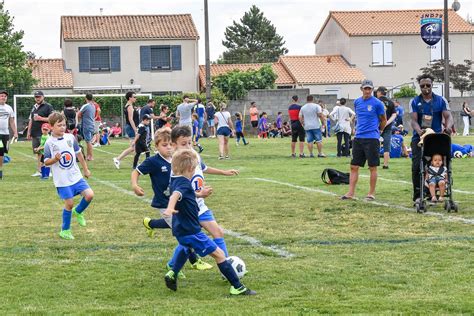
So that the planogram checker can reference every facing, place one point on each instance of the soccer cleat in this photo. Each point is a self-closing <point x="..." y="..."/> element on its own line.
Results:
<point x="171" y="281"/>
<point x="180" y="273"/>
<point x="149" y="231"/>
<point x="201" y="265"/>
<point x="66" y="234"/>
<point x="80" y="217"/>
<point x="241" y="291"/>
<point x="117" y="163"/>
<point x="36" y="174"/>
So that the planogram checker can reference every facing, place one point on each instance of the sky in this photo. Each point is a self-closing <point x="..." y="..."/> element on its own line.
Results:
<point x="298" y="21"/>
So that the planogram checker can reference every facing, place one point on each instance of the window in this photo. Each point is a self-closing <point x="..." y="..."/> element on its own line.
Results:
<point x="160" y="57"/>
<point x="99" y="59"/>
<point x="382" y="53"/>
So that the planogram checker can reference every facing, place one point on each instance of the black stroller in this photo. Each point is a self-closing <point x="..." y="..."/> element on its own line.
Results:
<point x="440" y="144"/>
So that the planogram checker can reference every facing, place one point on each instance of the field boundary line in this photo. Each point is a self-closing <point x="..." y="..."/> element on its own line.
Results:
<point x="447" y="218"/>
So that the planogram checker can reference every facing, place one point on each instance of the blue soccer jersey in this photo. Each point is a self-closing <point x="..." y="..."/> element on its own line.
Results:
<point x="186" y="221"/>
<point x="430" y="114"/>
<point x="238" y="126"/>
<point x="396" y="144"/>
<point x="367" y="113"/>
<point x="159" y="170"/>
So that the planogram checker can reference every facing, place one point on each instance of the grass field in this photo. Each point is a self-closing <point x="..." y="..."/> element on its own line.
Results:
<point x="306" y="251"/>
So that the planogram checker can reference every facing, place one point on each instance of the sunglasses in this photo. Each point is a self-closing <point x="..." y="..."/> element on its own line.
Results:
<point x="425" y="85"/>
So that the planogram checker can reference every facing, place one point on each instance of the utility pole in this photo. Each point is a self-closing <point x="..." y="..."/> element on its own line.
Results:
<point x="208" y="62"/>
<point x="446" y="51"/>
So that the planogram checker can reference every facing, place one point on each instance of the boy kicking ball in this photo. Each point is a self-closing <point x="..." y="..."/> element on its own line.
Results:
<point x="186" y="228"/>
<point x="60" y="153"/>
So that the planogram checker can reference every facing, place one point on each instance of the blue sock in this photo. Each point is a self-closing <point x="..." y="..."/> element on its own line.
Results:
<point x="180" y="259"/>
<point x="159" y="223"/>
<point x="226" y="269"/>
<point x="43" y="172"/>
<point x="66" y="219"/>
<point x="221" y="244"/>
<point x="172" y="261"/>
<point x="82" y="205"/>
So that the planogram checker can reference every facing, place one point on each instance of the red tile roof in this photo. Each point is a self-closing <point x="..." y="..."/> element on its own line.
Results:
<point x="314" y="69"/>
<point x="51" y="74"/>
<point x="284" y="78"/>
<point x="395" y="22"/>
<point x="124" y="27"/>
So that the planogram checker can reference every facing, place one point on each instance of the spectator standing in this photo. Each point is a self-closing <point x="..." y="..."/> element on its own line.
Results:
<point x="326" y="129"/>
<point x="163" y="118"/>
<point x="466" y="118"/>
<point x="311" y="117"/>
<point x="253" y="111"/>
<point x="86" y="115"/>
<point x="38" y="115"/>
<point x="148" y="110"/>
<point x="200" y="110"/>
<point x="427" y="110"/>
<point x="278" y="122"/>
<point x="131" y="123"/>
<point x="371" y="119"/>
<point x="297" y="130"/>
<point x="7" y="119"/>
<point x="224" y="130"/>
<point x="210" y="112"/>
<point x="391" y="115"/>
<point x="97" y="124"/>
<point x="70" y="113"/>
<point x="400" y="112"/>
<point x="185" y="110"/>
<point x="343" y="116"/>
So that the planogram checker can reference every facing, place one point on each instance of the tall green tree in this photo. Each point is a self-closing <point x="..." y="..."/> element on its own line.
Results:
<point x="15" y="72"/>
<point x="460" y="75"/>
<point x="253" y="40"/>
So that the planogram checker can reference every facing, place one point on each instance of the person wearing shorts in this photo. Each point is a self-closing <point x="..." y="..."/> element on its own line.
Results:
<point x="391" y="114"/>
<point x="297" y="130"/>
<point x="371" y="119"/>
<point x="7" y="118"/>
<point x="311" y="117"/>
<point x="87" y="115"/>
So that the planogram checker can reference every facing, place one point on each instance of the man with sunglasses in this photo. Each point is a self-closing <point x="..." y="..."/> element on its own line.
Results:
<point x="38" y="115"/>
<point x="427" y="110"/>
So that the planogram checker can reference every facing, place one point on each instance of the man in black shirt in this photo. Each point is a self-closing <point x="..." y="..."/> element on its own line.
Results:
<point x="391" y="114"/>
<point x="39" y="115"/>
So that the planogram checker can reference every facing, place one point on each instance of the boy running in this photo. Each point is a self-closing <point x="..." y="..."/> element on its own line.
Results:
<point x="60" y="153"/>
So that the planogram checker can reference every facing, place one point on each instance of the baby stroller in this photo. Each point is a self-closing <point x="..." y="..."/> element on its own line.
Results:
<point x="438" y="143"/>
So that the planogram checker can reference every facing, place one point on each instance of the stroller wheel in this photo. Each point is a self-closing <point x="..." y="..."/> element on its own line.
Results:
<point x="454" y="207"/>
<point x="447" y="206"/>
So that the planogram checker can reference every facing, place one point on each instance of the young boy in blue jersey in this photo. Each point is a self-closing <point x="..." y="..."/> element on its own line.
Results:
<point x="159" y="169"/>
<point x="196" y="132"/>
<point x="60" y="152"/>
<point x="239" y="132"/>
<point x="186" y="226"/>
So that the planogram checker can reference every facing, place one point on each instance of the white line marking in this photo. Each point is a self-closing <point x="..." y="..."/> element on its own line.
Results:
<point x="254" y="242"/>
<point x="447" y="218"/>
<point x="407" y="182"/>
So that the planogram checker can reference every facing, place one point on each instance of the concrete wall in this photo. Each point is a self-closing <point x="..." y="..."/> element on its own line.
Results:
<point x="333" y="41"/>
<point x="348" y="91"/>
<point x="185" y="80"/>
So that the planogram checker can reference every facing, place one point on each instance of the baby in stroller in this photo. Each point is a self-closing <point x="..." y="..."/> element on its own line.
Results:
<point x="435" y="177"/>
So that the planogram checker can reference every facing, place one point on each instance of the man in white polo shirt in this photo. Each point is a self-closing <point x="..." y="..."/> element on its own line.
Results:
<point x="7" y="118"/>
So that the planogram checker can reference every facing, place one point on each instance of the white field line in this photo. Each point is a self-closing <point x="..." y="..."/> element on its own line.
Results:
<point x="446" y="218"/>
<point x="407" y="182"/>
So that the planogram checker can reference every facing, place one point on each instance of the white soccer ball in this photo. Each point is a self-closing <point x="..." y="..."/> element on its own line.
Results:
<point x="457" y="154"/>
<point x="238" y="265"/>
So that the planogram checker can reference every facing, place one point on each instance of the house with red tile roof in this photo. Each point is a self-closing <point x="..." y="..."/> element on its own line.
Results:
<point x="146" y="53"/>
<point x="386" y="45"/>
<point x="52" y="76"/>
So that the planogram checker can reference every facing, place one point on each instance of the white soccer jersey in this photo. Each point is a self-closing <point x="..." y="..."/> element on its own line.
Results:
<point x="6" y="112"/>
<point x="197" y="181"/>
<point x="66" y="172"/>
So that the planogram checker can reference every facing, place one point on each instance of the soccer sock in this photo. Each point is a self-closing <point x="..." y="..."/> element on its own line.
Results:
<point x="1" y="174"/>
<point x="66" y="219"/>
<point x="243" y="139"/>
<point x="226" y="269"/>
<point x="192" y="257"/>
<point x="82" y="205"/>
<point x="181" y="259"/>
<point x="221" y="244"/>
<point x="159" y="223"/>
<point x="176" y="255"/>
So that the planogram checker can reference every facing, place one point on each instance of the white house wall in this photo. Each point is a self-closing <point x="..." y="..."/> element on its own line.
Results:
<point x="333" y="41"/>
<point x="348" y="91"/>
<point x="185" y="80"/>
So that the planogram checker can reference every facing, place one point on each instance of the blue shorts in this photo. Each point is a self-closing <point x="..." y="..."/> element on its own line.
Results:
<point x="87" y="133"/>
<point x="224" y="131"/>
<point x="434" y="180"/>
<point x="314" y="135"/>
<point x="129" y="131"/>
<point x="201" y="244"/>
<point x="207" y="216"/>
<point x="201" y="122"/>
<point x="71" y="191"/>
<point x="210" y="122"/>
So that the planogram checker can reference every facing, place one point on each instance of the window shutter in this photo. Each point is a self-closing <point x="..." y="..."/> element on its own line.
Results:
<point x="387" y="53"/>
<point x="176" y="57"/>
<point x="145" y="58"/>
<point x="84" y="59"/>
<point x="377" y="53"/>
<point x="115" y="58"/>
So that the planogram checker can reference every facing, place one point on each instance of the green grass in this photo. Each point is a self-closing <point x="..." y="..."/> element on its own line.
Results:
<point x="348" y="256"/>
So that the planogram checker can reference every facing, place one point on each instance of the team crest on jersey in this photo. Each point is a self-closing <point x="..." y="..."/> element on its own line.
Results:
<point x="369" y="108"/>
<point x="69" y="143"/>
<point x="164" y="169"/>
<point x="197" y="182"/>
<point x="66" y="160"/>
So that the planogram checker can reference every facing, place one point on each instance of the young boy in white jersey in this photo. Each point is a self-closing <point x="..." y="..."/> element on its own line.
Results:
<point x="60" y="152"/>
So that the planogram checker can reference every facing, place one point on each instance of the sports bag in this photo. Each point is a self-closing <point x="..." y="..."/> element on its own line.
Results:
<point x="333" y="176"/>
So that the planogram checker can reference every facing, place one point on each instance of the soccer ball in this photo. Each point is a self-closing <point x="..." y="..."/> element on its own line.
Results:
<point x="238" y="265"/>
<point x="457" y="154"/>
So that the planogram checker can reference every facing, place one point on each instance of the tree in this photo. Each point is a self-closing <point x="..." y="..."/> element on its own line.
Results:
<point x="235" y="84"/>
<point x="15" y="73"/>
<point x="405" y="92"/>
<point x="253" y="40"/>
<point x="460" y="75"/>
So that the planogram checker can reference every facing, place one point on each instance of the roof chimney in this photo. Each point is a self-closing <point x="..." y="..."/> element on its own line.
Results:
<point x="101" y="11"/>
<point x="328" y="59"/>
